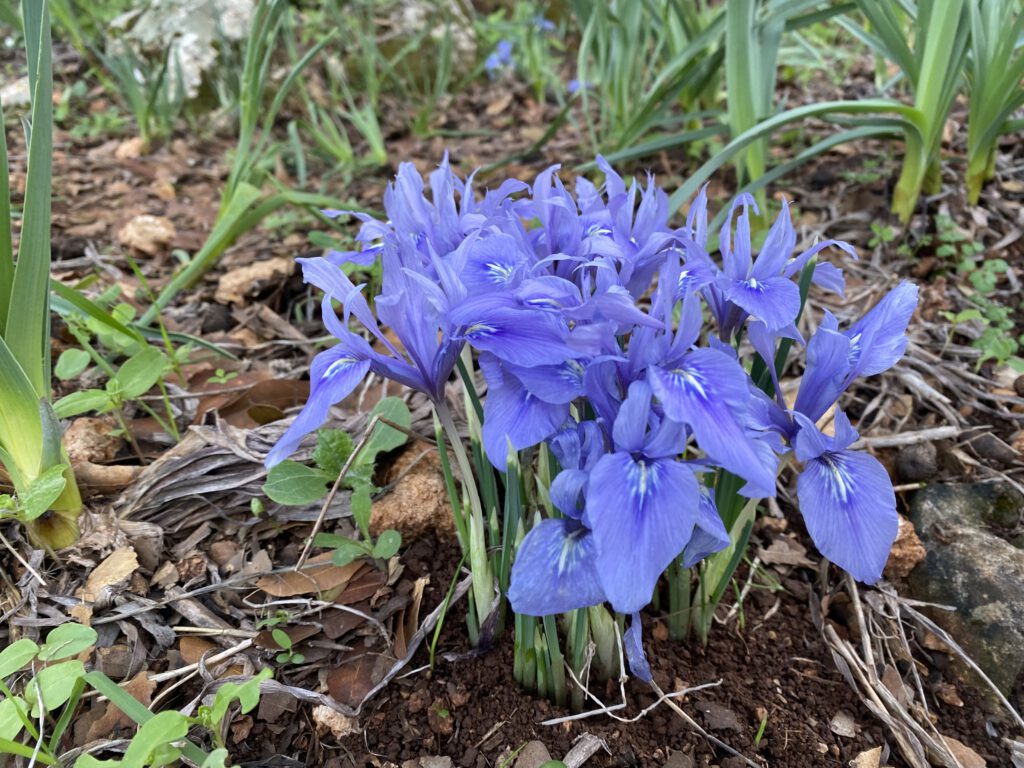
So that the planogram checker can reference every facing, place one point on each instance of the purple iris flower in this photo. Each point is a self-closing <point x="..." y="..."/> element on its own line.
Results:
<point x="846" y="498"/>
<point x="761" y="288"/>
<point x="874" y="344"/>
<point x="586" y="310"/>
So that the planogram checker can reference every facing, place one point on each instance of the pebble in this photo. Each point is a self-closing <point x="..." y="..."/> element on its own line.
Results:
<point x="916" y="463"/>
<point x="533" y="755"/>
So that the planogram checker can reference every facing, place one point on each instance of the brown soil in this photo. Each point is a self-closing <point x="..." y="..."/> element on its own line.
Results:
<point x="776" y="666"/>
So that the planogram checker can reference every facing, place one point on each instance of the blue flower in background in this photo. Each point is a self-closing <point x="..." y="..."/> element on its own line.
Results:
<point x="499" y="59"/>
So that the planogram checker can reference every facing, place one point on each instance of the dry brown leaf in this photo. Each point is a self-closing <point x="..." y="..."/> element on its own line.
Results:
<point x="363" y="586"/>
<point x="339" y="623"/>
<point x="358" y="673"/>
<point x="192" y="648"/>
<point x="843" y="724"/>
<point x="329" y="721"/>
<point x="948" y="694"/>
<point x="317" y="576"/>
<point x="785" y="551"/>
<point x="149" y="234"/>
<point x="139" y="688"/>
<point x="109" y="575"/>
<point x="244" y="409"/>
<point x="872" y="758"/>
<point x="237" y="285"/>
<point x="409" y="622"/>
<point x="966" y="756"/>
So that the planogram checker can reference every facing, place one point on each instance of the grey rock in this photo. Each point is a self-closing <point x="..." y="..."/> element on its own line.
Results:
<point x="971" y="568"/>
<point x="436" y="762"/>
<point x="533" y="755"/>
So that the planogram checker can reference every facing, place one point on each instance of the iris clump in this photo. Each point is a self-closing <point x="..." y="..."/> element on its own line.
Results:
<point x="645" y="366"/>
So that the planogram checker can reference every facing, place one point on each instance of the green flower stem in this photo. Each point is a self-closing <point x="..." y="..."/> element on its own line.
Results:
<point x="483" y="587"/>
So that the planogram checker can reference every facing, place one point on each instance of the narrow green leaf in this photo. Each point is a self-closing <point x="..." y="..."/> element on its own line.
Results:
<point x="292" y="483"/>
<point x="28" y="318"/>
<point x="8" y="747"/>
<point x="83" y="401"/>
<point x="6" y="243"/>
<point x="135" y="710"/>
<point x="21" y="434"/>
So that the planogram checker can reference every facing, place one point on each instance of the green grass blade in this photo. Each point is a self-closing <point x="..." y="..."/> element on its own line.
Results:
<point x="27" y="328"/>
<point x="6" y="244"/>
<point x="909" y="119"/>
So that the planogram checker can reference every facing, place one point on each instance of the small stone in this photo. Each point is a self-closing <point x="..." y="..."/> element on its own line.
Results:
<point x="719" y="718"/>
<point x="418" y="701"/>
<point x="438" y="761"/>
<point x="238" y="285"/>
<point x="222" y="551"/>
<point x="916" y="463"/>
<point x="440" y="720"/>
<point x="1018" y="386"/>
<point x="131" y="149"/>
<point x="92" y="440"/>
<point x="533" y="755"/>
<point x="970" y="567"/>
<point x="679" y="760"/>
<point x="418" y="503"/>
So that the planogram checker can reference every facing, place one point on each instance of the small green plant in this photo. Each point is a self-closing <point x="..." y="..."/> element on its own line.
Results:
<point x="30" y="437"/>
<point x="870" y="172"/>
<point x="335" y="456"/>
<point x="994" y="73"/>
<point x="759" y="736"/>
<point x="881" y="234"/>
<point x="220" y="376"/>
<point x="154" y="99"/>
<point x="288" y="654"/>
<point x="43" y="685"/>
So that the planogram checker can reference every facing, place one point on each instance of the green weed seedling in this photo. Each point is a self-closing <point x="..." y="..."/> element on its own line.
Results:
<point x="288" y="654"/>
<point x="43" y="685"/>
<point x="336" y="459"/>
